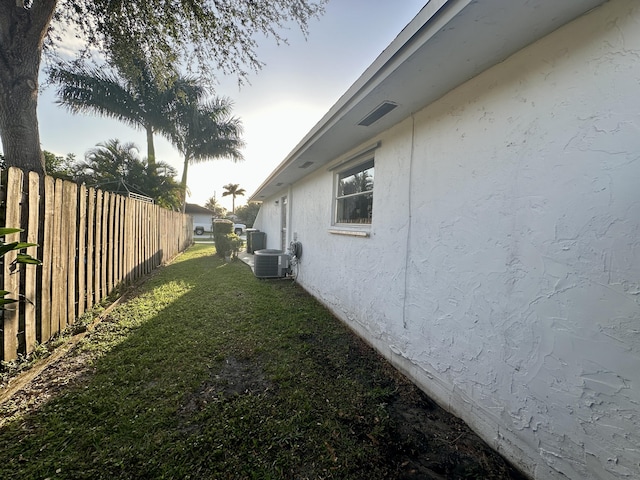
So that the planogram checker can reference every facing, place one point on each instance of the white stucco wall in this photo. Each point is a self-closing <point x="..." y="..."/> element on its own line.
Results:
<point x="268" y="220"/>
<point x="503" y="268"/>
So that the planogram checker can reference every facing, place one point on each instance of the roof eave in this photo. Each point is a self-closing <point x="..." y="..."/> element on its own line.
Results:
<point x="446" y="44"/>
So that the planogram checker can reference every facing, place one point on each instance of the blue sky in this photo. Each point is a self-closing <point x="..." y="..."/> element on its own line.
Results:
<point x="283" y="101"/>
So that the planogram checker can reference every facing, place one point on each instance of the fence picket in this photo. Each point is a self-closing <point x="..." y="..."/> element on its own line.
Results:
<point x="64" y="267"/>
<point x="112" y="242"/>
<point x="135" y="207"/>
<point x="56" y="267"/>
<point x="71" y="207"/>
<point x="121" y="239"/>
<point x="97" y="248"/>
<point x="82" y="249"/>
<point x="91" y="228"/>
<point x="46" y="240"/>
<point x="30" y="286"/>
<point x="131" y="217"/>
<point x="104" y="258"/>
<point x="89" y="242"/>
<point x="11" y="280"/>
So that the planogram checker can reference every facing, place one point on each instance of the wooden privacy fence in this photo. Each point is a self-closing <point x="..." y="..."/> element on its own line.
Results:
<point x="89" y="242"/>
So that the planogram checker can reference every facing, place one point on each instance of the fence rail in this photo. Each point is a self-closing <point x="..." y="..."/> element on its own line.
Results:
<point x="89" y="241"/>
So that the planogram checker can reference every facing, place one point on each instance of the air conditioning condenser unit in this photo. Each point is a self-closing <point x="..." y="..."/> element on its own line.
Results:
<point x="269" y="263"/>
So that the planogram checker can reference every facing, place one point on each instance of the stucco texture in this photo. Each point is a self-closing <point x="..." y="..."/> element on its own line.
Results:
<point x="502" y="267"/>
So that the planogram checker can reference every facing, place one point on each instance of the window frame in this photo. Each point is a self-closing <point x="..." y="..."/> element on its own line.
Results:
<point x="353" y="167"/>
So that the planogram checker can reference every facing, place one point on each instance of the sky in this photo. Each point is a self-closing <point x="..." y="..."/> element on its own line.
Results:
<point x="282" y="102"/>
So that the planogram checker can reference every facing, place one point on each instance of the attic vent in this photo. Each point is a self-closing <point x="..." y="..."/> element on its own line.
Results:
<point x="379" y="112"/>
<point x="306" y="164"/>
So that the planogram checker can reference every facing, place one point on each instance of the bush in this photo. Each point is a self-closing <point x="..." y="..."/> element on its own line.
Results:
<point x="222" y="230"/>
<point x="235" y="244"/>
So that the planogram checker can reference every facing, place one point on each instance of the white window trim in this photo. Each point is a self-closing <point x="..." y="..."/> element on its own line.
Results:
<point x="365" y="152"/>
<point x="350" y="229"/>
<point x="349" y="232"/>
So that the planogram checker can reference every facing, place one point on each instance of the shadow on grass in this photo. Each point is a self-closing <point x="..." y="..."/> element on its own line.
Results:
<point x="208" y="372"/>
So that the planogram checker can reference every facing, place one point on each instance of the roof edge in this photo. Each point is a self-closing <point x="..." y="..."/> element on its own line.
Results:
<point x="418" y="31"/>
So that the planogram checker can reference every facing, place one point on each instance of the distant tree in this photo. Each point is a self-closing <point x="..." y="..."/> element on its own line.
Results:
<point x="358" y="183"/>
<point x="218" y="210"/>
<point x="206" y="131"/>
<point x="159" y="181"/>
<point x="234" y="190"/>
<point x="208" y="35"/>
<point x="116" y="167"/>
<point x="107" y="165"/>
<point x="248" y="213"/>
<point x="58" y="166"/>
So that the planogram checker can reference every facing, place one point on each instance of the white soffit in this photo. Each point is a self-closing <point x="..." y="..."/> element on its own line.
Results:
<point x="446" y="44"/>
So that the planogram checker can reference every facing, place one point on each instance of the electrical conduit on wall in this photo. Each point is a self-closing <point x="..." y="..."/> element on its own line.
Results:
<point x="409" y="219"/>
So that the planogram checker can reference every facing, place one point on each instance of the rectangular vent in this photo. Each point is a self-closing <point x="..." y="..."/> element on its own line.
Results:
<point x="379" y="112"/>
<point x="306" y="164"/>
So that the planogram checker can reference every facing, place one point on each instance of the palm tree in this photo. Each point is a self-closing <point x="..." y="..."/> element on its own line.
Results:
<point x="116" y="167"/>
<point x="213" y="205"/>
<point x="206" y="131"/>
<point x="106" y="166"/>
<point x="233" y="190"/>
<point x="132" y="93"/>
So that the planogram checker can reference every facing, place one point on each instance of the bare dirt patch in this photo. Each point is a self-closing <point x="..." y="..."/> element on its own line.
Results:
<point x="51" y="382"/>
<point x="426" y="441"/>
<point x="237" y="377"/>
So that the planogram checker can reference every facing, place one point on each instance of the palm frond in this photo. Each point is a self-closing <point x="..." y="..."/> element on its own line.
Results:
<point x="98" y="92"/>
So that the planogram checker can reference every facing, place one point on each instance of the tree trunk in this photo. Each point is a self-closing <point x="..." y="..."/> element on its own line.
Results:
<point x="22" y="33"/>
<point x="183" y="183"/>
<point x="151" y="150"/>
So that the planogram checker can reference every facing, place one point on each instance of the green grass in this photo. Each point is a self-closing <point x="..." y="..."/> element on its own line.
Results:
<point x="208" y="372"/>
<point x="159" y="404"/>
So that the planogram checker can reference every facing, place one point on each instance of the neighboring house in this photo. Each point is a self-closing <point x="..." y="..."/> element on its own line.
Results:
<point x="471" y="207"/>
<point x="202" y="218"/>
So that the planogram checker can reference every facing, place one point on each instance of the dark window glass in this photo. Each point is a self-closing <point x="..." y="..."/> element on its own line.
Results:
<point x="354" y="200"/>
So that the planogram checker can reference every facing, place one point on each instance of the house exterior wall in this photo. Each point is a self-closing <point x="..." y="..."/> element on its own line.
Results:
<point x="502" y="268"/>
<point x="268" y="219"/>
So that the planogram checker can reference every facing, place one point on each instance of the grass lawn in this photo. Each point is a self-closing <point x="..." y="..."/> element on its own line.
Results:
<point x="206" y="372"/>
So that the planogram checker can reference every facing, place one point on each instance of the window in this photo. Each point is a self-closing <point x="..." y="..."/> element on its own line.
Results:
<point x="354" y="194"/>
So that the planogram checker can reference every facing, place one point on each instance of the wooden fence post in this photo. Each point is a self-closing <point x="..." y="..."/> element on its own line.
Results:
<point x="11" y="276"/>
<point x="91" y="228"/>
<point x="63" y="257"/>
<point x="30" y="286"/>
<point x="104" y="258"/>
<point x="47" y="240"/>
<point x="70" y="212"/>
<point x="122" y="235"/>
<point x="97" y="249"/>
<point x="82" y="249"/>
